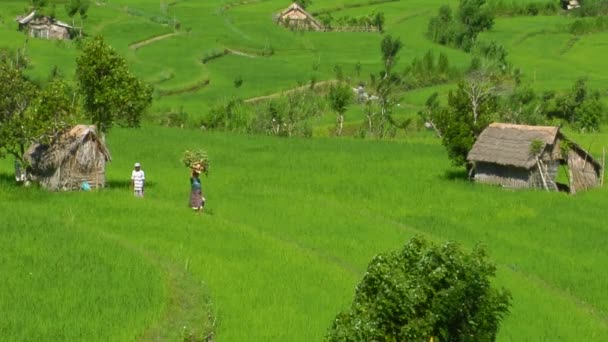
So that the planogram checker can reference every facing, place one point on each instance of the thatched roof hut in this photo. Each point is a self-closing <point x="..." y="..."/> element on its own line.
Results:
<point x="44" y="27"/>
<point x="79" y="155"/>
<point x="296" y="17"/>
<point x="520" y="156"/>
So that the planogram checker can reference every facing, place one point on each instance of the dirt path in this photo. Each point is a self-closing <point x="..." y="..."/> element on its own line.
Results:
<point x="288" y="91"/>
<point x="143" y="43"/>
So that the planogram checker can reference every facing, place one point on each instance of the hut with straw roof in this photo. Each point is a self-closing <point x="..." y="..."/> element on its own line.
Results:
<point x="296" y="17"/>
<point x="44" y="27"/>
<point x="77" y="156"/>
<point x="519" y="156"/>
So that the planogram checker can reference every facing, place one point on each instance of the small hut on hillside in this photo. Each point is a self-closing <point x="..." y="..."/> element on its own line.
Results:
<point x="296" y="17"/>
<point x="78" y="156"/>
<point x="520" y="156"/>
<point x="44" y="27"/>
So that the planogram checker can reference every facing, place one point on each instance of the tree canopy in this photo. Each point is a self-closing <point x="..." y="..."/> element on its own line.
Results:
<point x="424" y="292"/>
<point x="112" y="95"/>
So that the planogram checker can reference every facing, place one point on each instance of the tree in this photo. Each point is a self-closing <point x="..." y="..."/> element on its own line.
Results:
<point x="304" y="3"/>
<point x="385" y="86"/>
<point x="80" y="7"/>
<point x="339" y="97"/>
<point x="425" y="292"/>
<point x="16" y="95"/>
<point x="29" y="114"/>
<point x="111" y="94"/>
<point x="470" y="110"/>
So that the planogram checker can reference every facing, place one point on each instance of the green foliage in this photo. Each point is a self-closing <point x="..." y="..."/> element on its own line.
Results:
<point x="238" y="81"/>
<point x="425" y="292"/>
<point x="304" y="3"/>
<point x="55" y="110"/>
<point x="16" y="96"/>
<point x="509" y="8"/>
<point x="339" y="97"/>
<point x="196" y="159"/>
<point x="461" y="30"/>
<point x="112" y="95"/>
<point x="523" y="106"/>
<point x="427" y="72"/>
<point x="581" y="107"/>
<point x="470" y="109"/>
<point x="591" y="8"/>
<point x="536" y="147"/>
<point x="227" y="115"/>
<point x="588" y="25"/>
<point x="288" y="116"/>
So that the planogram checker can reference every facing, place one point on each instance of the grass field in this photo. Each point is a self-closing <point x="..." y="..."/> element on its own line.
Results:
<point x="290" y="228"/>
<point x="291" y="223"/>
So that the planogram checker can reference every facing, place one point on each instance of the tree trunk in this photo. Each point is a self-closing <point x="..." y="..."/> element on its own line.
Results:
<point x="340" y="124"/>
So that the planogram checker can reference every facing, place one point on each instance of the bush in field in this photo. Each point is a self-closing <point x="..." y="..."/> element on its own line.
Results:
<point x="424" y="293"/>
<point x="461" y="30"/>
<point x="581" y="107"/>
<point x="426" y="72"/>
<point x="288" y="116"/>
<point x="227" y="115"/>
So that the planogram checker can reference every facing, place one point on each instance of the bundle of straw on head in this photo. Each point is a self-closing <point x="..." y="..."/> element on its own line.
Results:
<point x="197" y="161"/>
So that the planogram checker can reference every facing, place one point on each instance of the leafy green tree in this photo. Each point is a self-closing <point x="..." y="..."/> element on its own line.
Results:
<point x="16" y="96"/>
<point x="590" y="114"/>
<point x="80" y="8"/>
<point x="29" y="114"/>
<point x="339" y="97"/>
<point x="111" y="94"/>
<point x="55" y="110"/>
<point x="386" y="85"/>
<point x="378" y="21"/>
<point x="475" y="18"/>
<point x="461" y="30"/>
<point x="425" y="292"/>
<point x="470" y="109"/>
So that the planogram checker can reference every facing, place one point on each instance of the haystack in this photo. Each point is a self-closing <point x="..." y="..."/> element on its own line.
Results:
<point x="520" y="156"/>
<point x="78" y="156"/>
<point x="296" y="17"/>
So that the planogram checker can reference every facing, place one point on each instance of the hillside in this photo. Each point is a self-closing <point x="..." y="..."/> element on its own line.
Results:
<point x="291" y="224"/>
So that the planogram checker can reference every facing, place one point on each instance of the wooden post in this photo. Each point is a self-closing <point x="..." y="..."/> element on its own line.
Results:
<point x="540" y="169"/>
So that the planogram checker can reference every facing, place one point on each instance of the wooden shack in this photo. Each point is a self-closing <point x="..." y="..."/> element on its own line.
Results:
<point x="77" y="156"/>
<point x="44" y="27"/>
<point x="297" y="18"/>
<point x="520" y="156"/>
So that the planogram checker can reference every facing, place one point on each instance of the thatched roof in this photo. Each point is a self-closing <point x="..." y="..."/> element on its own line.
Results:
<point x="510" y="144"/>
<point x="45" y="158"/>
<point x="295" y="8"/>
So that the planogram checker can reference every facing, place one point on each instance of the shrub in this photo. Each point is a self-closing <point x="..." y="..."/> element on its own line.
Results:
<point x="424" y="292"/>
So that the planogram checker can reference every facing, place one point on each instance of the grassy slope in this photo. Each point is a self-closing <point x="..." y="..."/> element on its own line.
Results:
<point x="293" y="223"/>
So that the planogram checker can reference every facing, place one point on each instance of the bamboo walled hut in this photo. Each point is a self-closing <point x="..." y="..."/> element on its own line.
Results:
<point x="519" y="156"/>
<point x="78" y="156"/>
<point x="44" y="27"/>
<point x="296" y="17"/>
